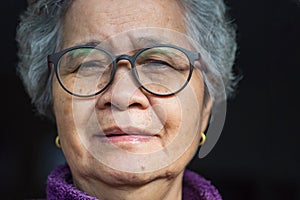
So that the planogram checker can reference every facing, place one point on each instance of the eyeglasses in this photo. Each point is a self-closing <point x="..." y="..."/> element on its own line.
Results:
<point x="161" y="69"/>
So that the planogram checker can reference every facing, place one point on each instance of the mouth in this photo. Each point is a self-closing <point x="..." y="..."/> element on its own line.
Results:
<point x="126" y="135"/>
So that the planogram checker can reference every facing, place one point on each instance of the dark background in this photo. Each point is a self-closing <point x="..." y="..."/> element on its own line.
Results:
<point x="257" y="156"/>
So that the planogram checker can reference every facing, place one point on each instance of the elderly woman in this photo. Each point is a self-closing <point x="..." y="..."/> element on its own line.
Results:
<point x="132" y="86"/>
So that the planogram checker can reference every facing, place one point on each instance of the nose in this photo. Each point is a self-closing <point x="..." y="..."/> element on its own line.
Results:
<point x="124" y="92"/>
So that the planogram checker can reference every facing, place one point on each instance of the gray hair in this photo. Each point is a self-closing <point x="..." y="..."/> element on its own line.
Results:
<point x="40" y="30"/>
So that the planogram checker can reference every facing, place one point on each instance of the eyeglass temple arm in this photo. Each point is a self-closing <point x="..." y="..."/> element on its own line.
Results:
<point x="50" y="63"/>
<point x="198" y="57"/>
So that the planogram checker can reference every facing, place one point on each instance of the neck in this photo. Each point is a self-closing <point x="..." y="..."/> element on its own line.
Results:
<point x="170" y="189"/>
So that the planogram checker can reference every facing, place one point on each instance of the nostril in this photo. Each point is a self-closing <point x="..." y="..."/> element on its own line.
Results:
<point x="107" y="104"/>
<point x="135" y="105"/>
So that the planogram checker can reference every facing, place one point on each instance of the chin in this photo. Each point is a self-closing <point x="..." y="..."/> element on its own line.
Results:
<point x="100" y="172"/>
<point x="120" y="178"/>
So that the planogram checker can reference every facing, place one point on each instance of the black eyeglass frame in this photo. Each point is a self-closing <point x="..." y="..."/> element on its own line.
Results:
<point x="53" y="61"/>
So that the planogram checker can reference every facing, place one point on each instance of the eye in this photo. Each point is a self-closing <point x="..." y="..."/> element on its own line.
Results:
<point x="156" y="63"/>
<point x="90" y="65"/>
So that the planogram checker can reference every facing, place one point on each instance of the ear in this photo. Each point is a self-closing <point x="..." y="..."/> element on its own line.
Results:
<point x="206" y="112"/>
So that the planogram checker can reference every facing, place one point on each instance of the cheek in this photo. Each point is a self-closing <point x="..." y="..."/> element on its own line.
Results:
<point x="71" y="115"/>
<point x="185" y="112"/>
<point x="179" y="113"/>
<point x="167" y="110"/>
<point x="194" y="96"/>
<point x="60" y="105"/>
<point x="70" y="110"/>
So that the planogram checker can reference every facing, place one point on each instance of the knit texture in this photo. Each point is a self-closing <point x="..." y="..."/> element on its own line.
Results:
<point x="60" y="186"/>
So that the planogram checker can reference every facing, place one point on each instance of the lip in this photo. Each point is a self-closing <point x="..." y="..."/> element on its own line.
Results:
<point x="126" y="135"/>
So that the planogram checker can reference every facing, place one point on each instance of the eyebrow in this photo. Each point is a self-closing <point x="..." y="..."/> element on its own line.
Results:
<point x="80" y="52"/>
<point x="138" y="43"/>
<point x="89" y="43"/>
<point x="147" y="41"/>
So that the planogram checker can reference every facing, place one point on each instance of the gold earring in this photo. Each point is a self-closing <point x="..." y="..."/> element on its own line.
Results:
<point x="57" y="142"/>
<point x="202" y="140"/>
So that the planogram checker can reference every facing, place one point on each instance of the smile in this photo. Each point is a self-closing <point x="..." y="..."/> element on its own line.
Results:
<point x="126" y="135"/>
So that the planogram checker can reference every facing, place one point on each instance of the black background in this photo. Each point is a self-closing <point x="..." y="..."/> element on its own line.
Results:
<point x="257" y="156"/>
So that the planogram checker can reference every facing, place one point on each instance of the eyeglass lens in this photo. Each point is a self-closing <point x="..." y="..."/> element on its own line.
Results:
<point x="160" y="70"/>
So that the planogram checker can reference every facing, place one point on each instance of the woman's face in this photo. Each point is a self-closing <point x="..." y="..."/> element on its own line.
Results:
<point x="124" y="134"/>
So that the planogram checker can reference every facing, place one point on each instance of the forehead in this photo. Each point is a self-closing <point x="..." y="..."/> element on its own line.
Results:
<point x="88" y="20"/>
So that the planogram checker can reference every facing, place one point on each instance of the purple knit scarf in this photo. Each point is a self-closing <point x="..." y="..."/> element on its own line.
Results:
<point x="60" y="186"/>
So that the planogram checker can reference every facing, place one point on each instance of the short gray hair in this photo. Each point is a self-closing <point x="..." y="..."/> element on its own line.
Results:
<point x="40" y="30"/>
